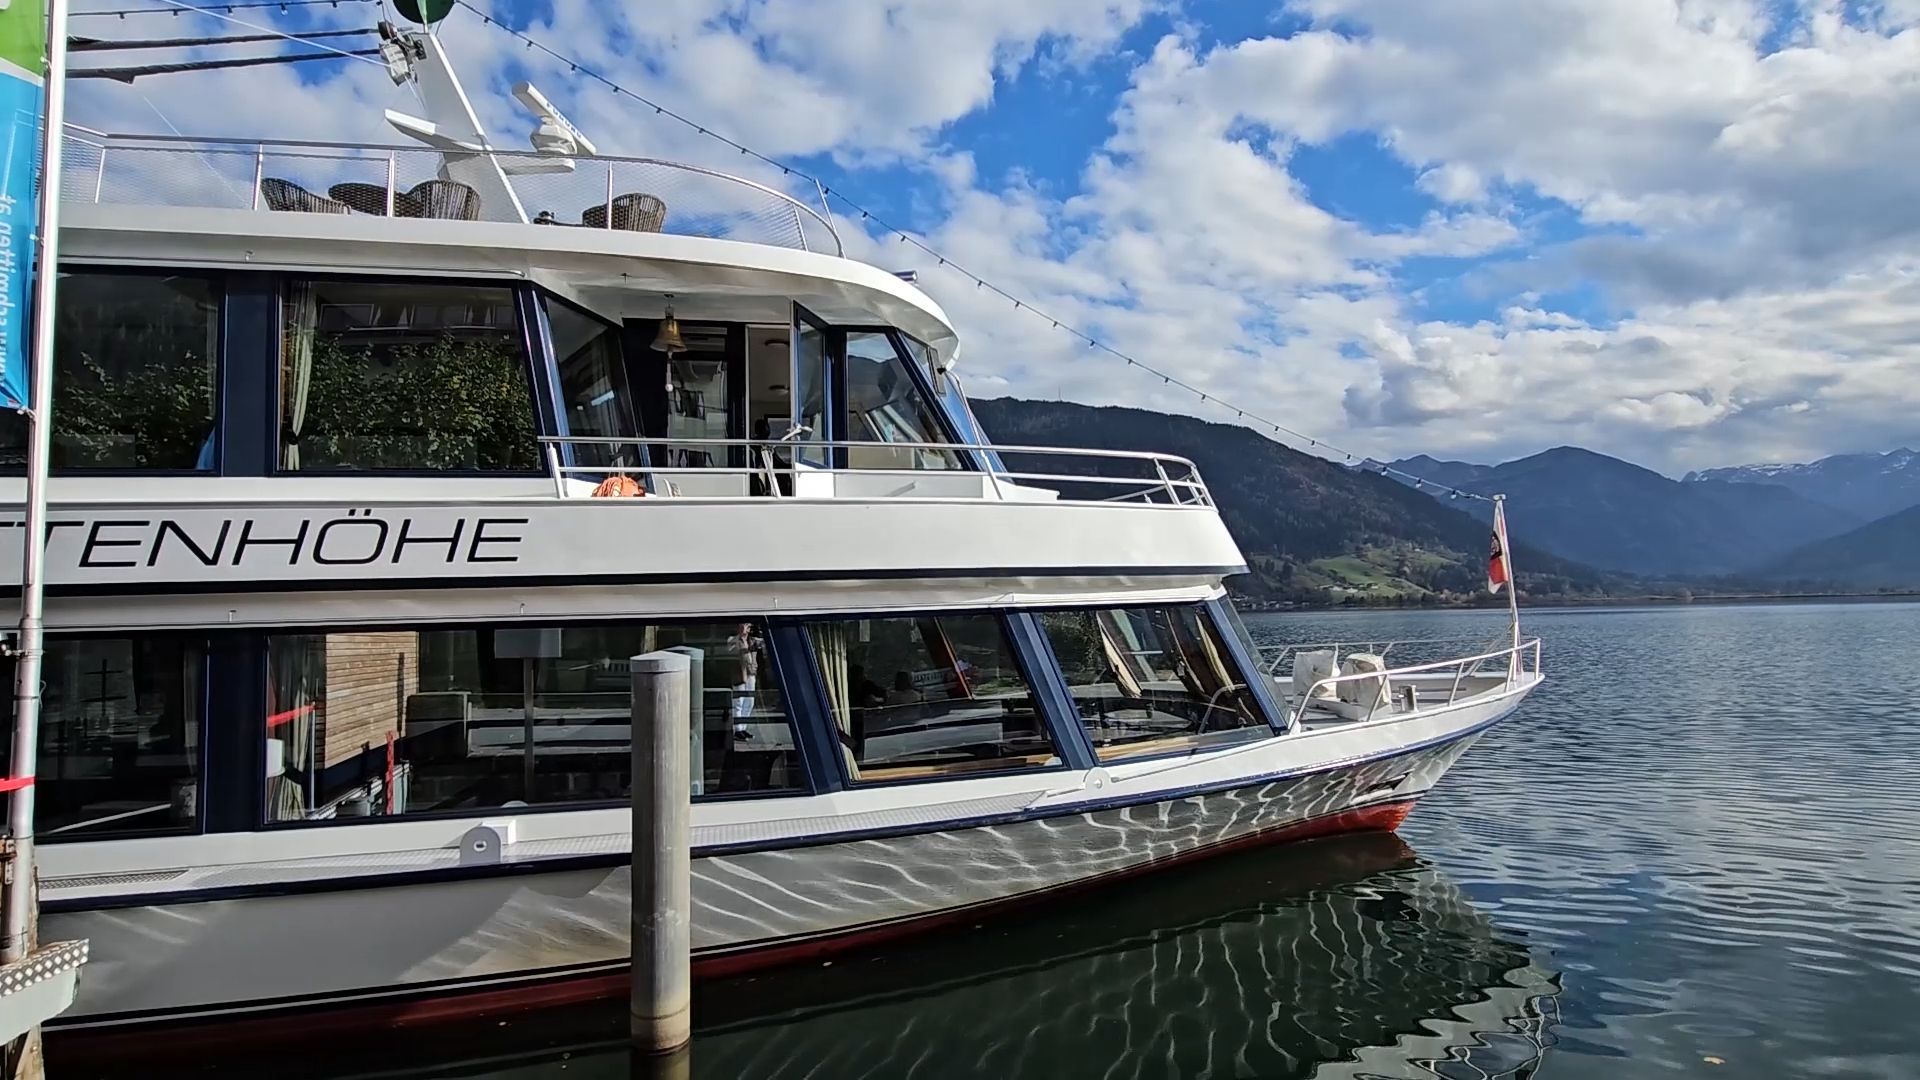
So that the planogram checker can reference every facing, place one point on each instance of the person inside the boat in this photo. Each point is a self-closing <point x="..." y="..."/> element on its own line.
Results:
<point x="745" y="644"/>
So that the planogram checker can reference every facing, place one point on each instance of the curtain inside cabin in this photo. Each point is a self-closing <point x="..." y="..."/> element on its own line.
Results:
<point x="295" y="687"/>
<point x="830" y="650"/>
<point x="303" y="319"/>
<point x="1117" y="641"/>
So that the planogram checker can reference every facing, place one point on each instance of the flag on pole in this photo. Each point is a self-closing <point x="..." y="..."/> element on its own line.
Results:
<point x="1499" y="564"/>
<point x="23" y="43"/>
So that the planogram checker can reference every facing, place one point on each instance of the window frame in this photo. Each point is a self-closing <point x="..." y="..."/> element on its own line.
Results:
<point x="535" y="344"/>
<point x="949" y="431"/>
<point x="208" y="642"/>
<point x="221" y="281"/>
<point x="1205" y="609"/>
<point x="257" y="734"/>
<point x="553" y="418"/>
<point x="1045" y="703"/>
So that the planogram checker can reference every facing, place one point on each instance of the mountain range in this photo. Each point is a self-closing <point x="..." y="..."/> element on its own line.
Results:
<point x="1311" y="529"/>
<point x="1868" y="485"/>
<point x="1619" y="516"/>
<point x="1846" y="521"/>
<point x="1583" y="523"/>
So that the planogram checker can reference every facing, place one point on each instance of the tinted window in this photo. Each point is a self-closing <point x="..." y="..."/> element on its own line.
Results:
<point x="134" y="374"/>
<point x="933" y="696"/>
<point x="697" y="405"/>
<point x="593" y="385"/>
<point x="119" y="736"/>
<point x="884" y="405"/>
<point x="1150" y="680"/>
<point x="401" y="721"/>
<point x="409" y="375"/>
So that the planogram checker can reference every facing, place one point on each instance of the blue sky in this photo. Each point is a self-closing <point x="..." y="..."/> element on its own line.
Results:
<point x="1681" y="231"/>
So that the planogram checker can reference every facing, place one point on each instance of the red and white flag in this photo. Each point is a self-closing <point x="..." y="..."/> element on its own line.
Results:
<point x="1499" y="563"/>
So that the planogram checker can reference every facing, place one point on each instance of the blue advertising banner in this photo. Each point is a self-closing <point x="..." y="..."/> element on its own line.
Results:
<point x="23" y="46"/>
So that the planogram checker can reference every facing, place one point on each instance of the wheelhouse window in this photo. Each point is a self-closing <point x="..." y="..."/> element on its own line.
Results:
<point x="389" y="722"/>
<point x="119" y="736"/>
<point x="404" y="375"/>
<point x="593" y="386"/>
<point x="885" y="405"/>
<point x="135" y="371"/>
<point x="698" y="406"/>
<point x="1152" y="680"/>
<point x="929" y="696"/>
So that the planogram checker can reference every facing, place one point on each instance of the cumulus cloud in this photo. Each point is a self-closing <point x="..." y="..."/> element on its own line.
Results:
<point x="1747" y="213"/>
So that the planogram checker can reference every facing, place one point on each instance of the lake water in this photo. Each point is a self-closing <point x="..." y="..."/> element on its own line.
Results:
<point x="1694" y="852"/>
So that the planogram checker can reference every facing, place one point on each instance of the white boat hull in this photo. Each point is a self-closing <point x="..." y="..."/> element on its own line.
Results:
<point x="555" y="928"/>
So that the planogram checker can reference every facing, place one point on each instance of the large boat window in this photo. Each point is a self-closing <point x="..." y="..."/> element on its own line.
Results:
<point x="593" y="386"/>
<point x="385" y="722"/>
<point x="929" y="696"/>
<point x="697" y="401"/>
<point x="134" y="376"/>
<point x="1151" y="680"/>
<point x="404" y="375"/>
<point x="884" y="405"/>
<point x="119" y="736"/>
<point x="810" y="394"/>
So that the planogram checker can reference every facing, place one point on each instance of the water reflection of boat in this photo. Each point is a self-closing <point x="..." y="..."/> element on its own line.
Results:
<point x="1340" y="960"/>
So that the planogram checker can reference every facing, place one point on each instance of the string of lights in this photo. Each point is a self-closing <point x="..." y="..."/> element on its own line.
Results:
<point x="1313" y="442"/>
<point x="1166" y="378"/>
<point x="283" y="5"/>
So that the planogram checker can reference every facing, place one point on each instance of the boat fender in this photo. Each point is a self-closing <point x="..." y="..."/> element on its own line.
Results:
<point x="480" y="846"/>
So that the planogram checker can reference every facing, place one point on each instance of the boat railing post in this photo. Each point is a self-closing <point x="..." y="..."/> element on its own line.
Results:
<point x="100" y="177"/>
<point x="609" y="195"/>
<point x="393" y="179"/>
<point x="661" y="1006"/>
<point x="259" y="172"/>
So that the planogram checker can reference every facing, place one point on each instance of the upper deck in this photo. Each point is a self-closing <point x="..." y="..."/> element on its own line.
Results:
<point x="266" y="346"/>
<point x="608" y="193"/>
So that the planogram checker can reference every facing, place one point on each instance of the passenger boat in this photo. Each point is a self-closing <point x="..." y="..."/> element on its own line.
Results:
<point x="375" y="464"/>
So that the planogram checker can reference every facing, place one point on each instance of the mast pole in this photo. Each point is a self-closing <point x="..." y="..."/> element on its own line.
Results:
<point x="21" y="892"/>
<point x="1513" y="585"/>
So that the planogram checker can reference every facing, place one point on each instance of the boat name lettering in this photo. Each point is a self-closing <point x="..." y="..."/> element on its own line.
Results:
<point x="360" y="538"/>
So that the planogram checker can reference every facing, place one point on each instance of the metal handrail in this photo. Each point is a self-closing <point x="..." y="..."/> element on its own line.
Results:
<point x="1273" y="656"/>
<point x="1463" y="667"/>
<point x="259" y="147"/>
<point x="1181" y="483"/>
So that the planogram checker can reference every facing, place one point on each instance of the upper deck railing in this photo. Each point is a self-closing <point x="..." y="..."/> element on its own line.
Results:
<point x="624" y="193"/>
<point x="796" y="468"/>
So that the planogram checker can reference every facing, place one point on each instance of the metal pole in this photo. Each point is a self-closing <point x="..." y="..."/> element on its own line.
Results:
<point x="20" y="895"/>
<point x="1513" y="589"/>
<point x="661" y="1007"/>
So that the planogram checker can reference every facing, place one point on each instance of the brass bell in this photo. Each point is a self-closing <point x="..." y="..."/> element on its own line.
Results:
<point x="668" y="339"/>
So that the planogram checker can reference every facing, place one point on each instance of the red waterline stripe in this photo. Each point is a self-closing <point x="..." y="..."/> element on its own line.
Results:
<point x="15" y="783"/>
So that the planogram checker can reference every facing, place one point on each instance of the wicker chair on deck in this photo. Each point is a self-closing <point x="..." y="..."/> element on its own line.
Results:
<point x="288" y="196"/>
<point x="446" y="199"/>
<point x="633" y="212"/>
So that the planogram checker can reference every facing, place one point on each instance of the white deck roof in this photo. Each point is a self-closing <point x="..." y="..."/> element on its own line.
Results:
<point x="615" y="273"/>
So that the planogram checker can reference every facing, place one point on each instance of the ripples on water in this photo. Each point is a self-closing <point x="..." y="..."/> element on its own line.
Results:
<point x="1694" y="852"/>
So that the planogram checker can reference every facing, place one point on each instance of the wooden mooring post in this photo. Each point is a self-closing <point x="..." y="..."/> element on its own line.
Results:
<point x="661" y="1007"/>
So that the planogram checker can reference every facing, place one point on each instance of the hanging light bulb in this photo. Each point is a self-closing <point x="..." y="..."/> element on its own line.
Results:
<point x="668" y="339"/>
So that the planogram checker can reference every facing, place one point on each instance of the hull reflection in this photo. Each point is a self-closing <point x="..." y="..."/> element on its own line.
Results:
<point x="1340" y="959"/>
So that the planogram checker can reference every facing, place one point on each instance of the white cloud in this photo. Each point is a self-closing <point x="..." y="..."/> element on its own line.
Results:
<point x="1755" y="177"/>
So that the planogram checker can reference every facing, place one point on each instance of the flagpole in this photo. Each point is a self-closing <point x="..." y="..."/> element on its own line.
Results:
<point x="20" y="895"/>
<point x="1513" y="583"/>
